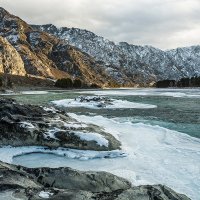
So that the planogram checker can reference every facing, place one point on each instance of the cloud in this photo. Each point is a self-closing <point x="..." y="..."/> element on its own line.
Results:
<point x="161" y="23"/>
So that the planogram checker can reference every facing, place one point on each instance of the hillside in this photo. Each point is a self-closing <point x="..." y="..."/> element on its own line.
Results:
<point x="44" y="55"/>
<point x="45" y="51"/>
<point x="141" y="64"/>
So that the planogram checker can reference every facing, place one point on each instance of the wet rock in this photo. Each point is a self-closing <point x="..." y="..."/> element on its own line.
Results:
<point x="26" y="125"/>
<point x="100" y="101"/>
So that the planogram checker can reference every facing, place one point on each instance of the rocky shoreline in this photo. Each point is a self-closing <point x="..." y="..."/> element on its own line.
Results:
<point x="66" y="183"/>
<point x="27" y="125"/>
<point x="30" y="125"/>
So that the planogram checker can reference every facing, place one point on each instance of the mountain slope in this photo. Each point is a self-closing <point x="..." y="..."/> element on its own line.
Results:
<point x="10" y="60"/>
<point x="187" y="60"/>
<point x="50" y="52"/>
<point x="139" y="63"/>
<point x="46" y="56"/>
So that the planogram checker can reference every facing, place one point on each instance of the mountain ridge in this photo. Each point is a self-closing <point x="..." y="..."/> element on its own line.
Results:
<point x="53" y="53"/>
<point x="46" y="56"/>
<point x="157" y="63"/>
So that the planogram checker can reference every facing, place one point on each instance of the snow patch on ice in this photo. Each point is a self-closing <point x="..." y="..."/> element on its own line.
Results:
<point x="34" y="92"/>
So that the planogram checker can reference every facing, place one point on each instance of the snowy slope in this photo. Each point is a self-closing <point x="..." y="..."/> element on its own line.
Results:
<point x="141" y="63"/>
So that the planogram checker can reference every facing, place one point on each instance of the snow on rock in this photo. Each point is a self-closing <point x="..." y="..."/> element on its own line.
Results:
<point x="99" y="139"/>
<point x="45" y="195"/>
<point x="97" y="102"/>
<point x="8" y="195"/>
<point x="13" y="38"/>
<point x="50" y="134"/>
<point x="51" y="109"/>
<point x="87" y="136"/>
<point x="27" y="125"/>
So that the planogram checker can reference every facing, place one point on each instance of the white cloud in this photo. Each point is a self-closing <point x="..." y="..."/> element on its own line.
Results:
<point x="161" y="23"/>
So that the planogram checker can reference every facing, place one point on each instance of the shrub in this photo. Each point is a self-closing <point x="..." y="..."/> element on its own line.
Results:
<point x="10" y="83"/>
<point x="1" y="82"/>
<point x="166" y="83"/>
<point x="77" y="83"/>
<point x="94" y="85"/>
<point x="64" y="83"/>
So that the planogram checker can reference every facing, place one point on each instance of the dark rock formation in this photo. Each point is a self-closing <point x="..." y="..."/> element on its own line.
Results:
<point x="66" y="183"/>
<point x="26" y="125"/>
<point x="100" y="101"/>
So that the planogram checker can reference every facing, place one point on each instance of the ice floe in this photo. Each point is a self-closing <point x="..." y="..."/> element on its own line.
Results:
<point x="34" y="92"/>
<point x="95" y="102"/>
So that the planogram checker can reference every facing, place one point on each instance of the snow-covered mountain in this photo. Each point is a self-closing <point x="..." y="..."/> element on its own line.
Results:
<point x="50" y="52"/>
<point x="138" y="63"/>
<point x="187" y="60"/>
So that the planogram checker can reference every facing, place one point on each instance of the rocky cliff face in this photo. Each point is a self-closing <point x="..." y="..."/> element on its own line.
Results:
<point x="10" y="60"/>
<point x="45" y="55"/>
<point x="141" y="64"/>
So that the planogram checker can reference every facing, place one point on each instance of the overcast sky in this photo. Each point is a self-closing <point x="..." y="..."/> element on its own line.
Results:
<point x="161" y="23"/>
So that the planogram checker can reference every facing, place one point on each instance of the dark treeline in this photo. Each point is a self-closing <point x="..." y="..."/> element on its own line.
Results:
<point x="184" y="82"/>
<point x="77" y="83"/>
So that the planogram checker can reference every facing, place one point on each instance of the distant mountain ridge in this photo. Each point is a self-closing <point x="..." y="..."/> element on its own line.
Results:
<point x="51" y="52"/>
<point x="140" y="63"/>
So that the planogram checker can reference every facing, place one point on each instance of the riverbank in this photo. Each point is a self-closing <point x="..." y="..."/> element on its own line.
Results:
<point x="25" y="125"/>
